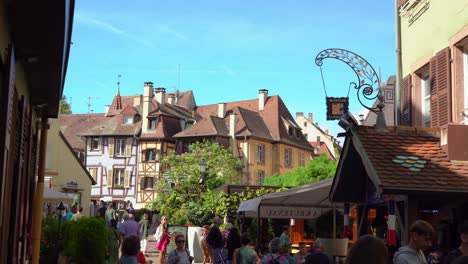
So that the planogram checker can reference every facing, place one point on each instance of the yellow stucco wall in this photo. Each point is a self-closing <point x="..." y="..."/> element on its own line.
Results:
<point x="63" y="167"/>
<point x="274" y="158"/>
<point x="440" y="22"/>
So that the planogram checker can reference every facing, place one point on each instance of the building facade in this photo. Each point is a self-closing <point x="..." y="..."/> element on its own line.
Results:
<point x="319" y="139"/>
<point x="261" y="132"/>
<point x="35" y="41"/>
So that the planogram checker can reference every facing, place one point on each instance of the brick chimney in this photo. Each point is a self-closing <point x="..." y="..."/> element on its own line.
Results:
<point x="299" y="114"/>
<point x="161" y="95"/>
<point x="171" y="98"/>
<point x="147" y="105"/>
<point x="262" y="97"/>
<point x="310" y="119"/>
<point x="221" y="110"/>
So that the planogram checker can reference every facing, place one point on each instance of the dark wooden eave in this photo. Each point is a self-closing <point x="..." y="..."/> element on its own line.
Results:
<point x="41" y="32"/>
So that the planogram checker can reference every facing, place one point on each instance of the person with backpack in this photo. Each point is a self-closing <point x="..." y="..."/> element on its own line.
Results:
<point x="275" y="256"/>
<point x="245" y="254"/>
<point x="317" y="254"/>
<point x="180" y="255"/>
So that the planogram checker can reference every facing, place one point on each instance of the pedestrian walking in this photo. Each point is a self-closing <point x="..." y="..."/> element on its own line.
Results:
<point x="317" y="254"/>
<point x="180" y="255"/>
<point x="245" y="254"/>
<point x="129" y="227"/>
<point x="144" y="227"/>
<point x="462" y="250"/>
<point x="285" y="240"/>
<point x="110" y="214"/>
<point x="299" y="257"/>
<point x="232" y="243"/>
<point x="206" y="249"/>
<point x="275" y="256"/>
<point x="368" y="249"/>
<point x="215" y="241"/>
<point x="420" y="238"/>
<point x="130" y="248"/>
<point x="162" y="239"/>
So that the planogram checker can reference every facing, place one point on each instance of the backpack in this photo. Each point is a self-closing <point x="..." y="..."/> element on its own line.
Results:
<point x="274" y="260"/>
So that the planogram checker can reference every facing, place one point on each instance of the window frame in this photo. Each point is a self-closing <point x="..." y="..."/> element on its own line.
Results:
<point x="260" y="177"/>
<point x="119" y="147"/>
<point x="128" y="119"/>
<point x="118" y="180"/>
<point x="97" y="141"/>
<point x="260" y="153"/>
<point x="425" y="98"/>
<point x="301" y="159"/>
<point x="146" y="152"/>
<point x="288" y="159"/>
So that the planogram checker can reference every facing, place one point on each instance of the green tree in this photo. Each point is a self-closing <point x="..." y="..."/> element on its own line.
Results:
<point x="65" y="107"/>
<point x="179" y="188"/>
<point x="317" y="169"/>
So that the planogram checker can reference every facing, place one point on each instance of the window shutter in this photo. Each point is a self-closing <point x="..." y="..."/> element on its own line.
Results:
<point x="88" y="143"/>
<point x="406" y="101"/>
<point x="443" y="86"/>
<point x="128" y="147"/>
<point x="111" y="147"/>
<point x="99" y="143"/>
<point x="440" y="88"/>
<point x="127" y="179"/>
<point x="109" y="178"/>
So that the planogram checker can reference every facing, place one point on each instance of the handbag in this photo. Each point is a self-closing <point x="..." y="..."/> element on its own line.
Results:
<point x="162" y="243"/>
<point x="158" y="235"/>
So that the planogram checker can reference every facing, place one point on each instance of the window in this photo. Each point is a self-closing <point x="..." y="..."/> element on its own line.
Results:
<point x="260" y="177"/>
<point x="95" y="143"/>
<point x="152" y="124"/>
<point x="305" y="124"/>
<point x="291" y="131"/>
<point x="119" y="177"/>
<point x="128" y="119"/>
<point x="93" y="172"/>
<point x="306" y="136"/>
<point x="150" y="155"/>
<point x="465" y="82"/>
<point x="301" y="159"/>
<point x="288" y="157"/>
<point x="120" y="147"/>
<point x="426" y="100"/>
<point x="260" y="155"/>
<point x="148" y="183"/>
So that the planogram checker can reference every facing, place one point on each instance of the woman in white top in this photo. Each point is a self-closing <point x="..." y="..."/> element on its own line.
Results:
<point x="180" y="255"/>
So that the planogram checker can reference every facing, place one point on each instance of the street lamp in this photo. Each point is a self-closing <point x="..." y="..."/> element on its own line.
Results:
<point x="60" y="208"/>
<point x="202" y="171"/>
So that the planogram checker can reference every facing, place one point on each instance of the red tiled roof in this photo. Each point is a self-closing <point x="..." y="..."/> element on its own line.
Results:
<point x="74" y="125"/>
<point x="397" y="154"/>
<point x="266" y="124"/>
<point x="208" y="126"/>
<point x="114" y="126"/>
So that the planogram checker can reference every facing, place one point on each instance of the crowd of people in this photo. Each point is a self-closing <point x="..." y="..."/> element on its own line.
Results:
<point x="128" y="241"/>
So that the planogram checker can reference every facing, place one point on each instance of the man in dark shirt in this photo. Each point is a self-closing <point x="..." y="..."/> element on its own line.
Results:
<point x="102" y="210"/>
<point x="215" y="241"/>
<point x="462" y="250"/>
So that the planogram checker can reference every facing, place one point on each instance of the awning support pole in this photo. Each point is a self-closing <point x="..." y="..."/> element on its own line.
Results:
<point x="334" y="222"/>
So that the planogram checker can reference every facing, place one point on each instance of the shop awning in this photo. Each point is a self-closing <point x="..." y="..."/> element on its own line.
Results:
<point x="307" y="201"/>
<point x="56" y="196"/>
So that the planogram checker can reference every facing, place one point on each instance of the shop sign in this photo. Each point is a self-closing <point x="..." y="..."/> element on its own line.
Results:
<point x="288" y="212"/>
<point x="336" y="107"/>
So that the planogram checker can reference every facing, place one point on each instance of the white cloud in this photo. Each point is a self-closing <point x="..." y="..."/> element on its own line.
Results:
<point x="108" y="27"/>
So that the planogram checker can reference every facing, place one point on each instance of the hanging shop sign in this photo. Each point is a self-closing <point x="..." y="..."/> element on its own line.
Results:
<point x="286" y="212"/>
<point x="336" y="107"/>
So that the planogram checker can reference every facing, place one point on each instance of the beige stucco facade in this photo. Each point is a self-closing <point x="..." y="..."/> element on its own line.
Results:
<point x="439" y="22"/>
<point x="63" y="167"/>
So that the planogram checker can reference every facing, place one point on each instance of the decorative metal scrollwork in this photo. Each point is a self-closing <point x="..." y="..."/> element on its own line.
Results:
<point x="368" y="84"/>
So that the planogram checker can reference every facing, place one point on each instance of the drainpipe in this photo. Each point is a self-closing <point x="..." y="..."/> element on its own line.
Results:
<point x="39" y="194"/>
<point x="399" y="72"/>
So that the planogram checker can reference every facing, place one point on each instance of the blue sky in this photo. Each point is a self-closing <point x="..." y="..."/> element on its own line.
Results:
<point x="227" y="50"/>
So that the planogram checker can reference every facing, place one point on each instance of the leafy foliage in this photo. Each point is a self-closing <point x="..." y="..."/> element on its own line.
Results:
<point x="317" y="169"/>
<point x="179" y="189"/>
<point x="85" y="240"/>
<point x="65" y="107"/>
<point x="50" y="247"/>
